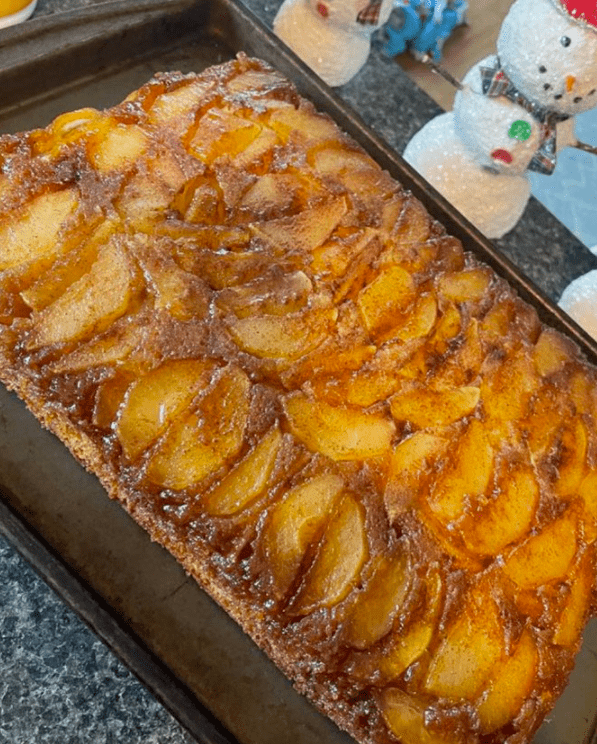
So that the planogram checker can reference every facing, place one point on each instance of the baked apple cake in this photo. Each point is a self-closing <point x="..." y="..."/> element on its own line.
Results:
<point x="354" y="435"/>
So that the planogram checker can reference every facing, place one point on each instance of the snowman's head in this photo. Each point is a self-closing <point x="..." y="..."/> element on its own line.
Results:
<point x="359" y="17"/>
<point x="551" y="56"/>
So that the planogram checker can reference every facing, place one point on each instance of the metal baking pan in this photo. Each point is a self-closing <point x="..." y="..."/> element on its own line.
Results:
<point x="129" y="590"/>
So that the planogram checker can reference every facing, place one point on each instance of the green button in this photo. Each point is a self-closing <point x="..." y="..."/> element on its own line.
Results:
<point x="520" y="130"/>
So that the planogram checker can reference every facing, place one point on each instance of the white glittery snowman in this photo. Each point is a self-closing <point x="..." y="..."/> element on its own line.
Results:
<point x="514" y="112"/>
<point x="333" y="37"/>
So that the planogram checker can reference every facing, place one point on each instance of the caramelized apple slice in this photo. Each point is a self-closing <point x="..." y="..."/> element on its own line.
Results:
<point x="303" y="232"/>
<point x="410" y="467"/>
<point x="198" y="444"/>
<point x="282" y="336"/>
<point x="155" y="400"/>
<point x="341" y="433"/>
<point x="294" y="523"/>
<point x="109" y="397"/>
<point x="422" y="407"/>
<point x="507" y="516"/>
<point x="473" y="645"/>
<point x="34" y="233"/>
<point x="120" y="148"/>
<point x="304" y="122"/>
<point x="89" y="305"/>
<point x="273" y="294"/>
<point x="544" y="557"/>
<point x="466" y="286"/>
<point x="510" y="686"/>
<point x="576" y="607"/>
<point x="248" y="479"/>
<point x="405" y="717"/>
<point x="374" y="612"/>
<point x="571" y="458"/>
<point x="552" y="352"/>
<point x="386" y="297"/>
<point x="588" y="493"/>
<point x="220" y="131"/>
<point x="340" y="557"/>
<point x="466" y="477"/>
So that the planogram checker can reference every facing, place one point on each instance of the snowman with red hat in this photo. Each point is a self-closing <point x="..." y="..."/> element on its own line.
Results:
<point x="513" y="112"/>
<point x="333" y="37"/>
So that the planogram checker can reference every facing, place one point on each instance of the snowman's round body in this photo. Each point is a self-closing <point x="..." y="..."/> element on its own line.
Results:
<point x="549" y="60"/>
<point x="327" y="35"/>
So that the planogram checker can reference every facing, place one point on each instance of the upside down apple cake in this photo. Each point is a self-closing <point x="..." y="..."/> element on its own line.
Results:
<point x="355" y="436"/>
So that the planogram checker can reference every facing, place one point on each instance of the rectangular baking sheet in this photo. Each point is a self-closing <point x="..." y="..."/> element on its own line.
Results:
<point x="135" y="596"/>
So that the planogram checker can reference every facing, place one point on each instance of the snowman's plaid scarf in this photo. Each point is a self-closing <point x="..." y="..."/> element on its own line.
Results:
<point x="496" y="83"/>
<point x="369" y="16"/>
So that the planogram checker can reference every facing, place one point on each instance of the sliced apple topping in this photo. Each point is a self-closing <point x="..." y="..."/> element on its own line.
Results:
<point x="571" y="458"/>
<point x="546" y="556"/>
<point x="470" y="285"/>
<point x="410" y="468"/>
<point x="466" y="477"/>
<point x="588" y="493"/>
<point x="302" y="122"/>
<point x="386" y="297"/>
<point x="282" y="336"/>
<point x="35" y="233"/>
<point x="374" y="612"/>
<point x="295" y="522"/>
<point x="119" y="149"/>
<point x="198" y="444"/>
<point x="510" y="685"/>
<point x="239" y="488"/>
<point x="303" y="232"/>
<point x="221" y="131"/>
<point x="155" y="400"/>
<point x="423" y="408"/>
<point x="405" y="717"/>
<point x="273" y="294"/>
<point x="505" y="517"/>
<point x="473" y="645"/>
<point x="552" y="352"/>
<point x="340" y="557"/>
<point x="341" y="433"/>
<point x="89" y="305"/>
<point x="576" y="607"/>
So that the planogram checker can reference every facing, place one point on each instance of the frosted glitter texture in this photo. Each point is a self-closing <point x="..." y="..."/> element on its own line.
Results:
<point x="579" y="300"/>
<point x="326" y="35"/>
<point x="470" y="155"/>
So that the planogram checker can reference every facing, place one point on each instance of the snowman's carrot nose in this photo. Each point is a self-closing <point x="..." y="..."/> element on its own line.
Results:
<point x="570" y="80"/>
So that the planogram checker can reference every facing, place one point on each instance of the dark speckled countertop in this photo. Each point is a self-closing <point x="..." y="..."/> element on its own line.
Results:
<point x="58" y="683"/>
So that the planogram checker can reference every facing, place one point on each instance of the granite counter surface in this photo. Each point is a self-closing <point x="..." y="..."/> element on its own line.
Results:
<point x="58" y="683"/>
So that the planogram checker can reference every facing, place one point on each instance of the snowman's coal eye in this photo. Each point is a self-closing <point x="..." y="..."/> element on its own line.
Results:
<point x="547" y="86"/>
<point x="565" y="41"/>
<point x="542" y="68"/>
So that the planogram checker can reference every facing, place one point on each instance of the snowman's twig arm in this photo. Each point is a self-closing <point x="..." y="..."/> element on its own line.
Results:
<point x="427" y="60"/>
<point x="586" y="148"/>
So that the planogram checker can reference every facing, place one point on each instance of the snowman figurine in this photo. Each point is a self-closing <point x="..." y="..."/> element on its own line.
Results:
<point x="333" y="37"/>
<point x="513" y="112"/>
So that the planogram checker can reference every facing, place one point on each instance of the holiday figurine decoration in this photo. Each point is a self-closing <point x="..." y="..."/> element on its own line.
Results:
<point x="333" y="37"/>
<point x="513" y="112"/>
<point x="579" y="300"/>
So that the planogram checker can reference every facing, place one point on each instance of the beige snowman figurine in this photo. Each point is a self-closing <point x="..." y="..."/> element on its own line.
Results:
<point x="514" y="113"/>
<point x="333" y="37"/>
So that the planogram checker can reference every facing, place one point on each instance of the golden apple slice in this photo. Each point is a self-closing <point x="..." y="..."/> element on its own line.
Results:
<point x="470" y="285"/>
<point x="507" y="516"/>
<point x="120" y="148"/>
<point x="109" y="398"/>
<point x="68" y="268"/>
<point x="304" y="123"/>
<point x="176" y="109"/>
<point x="466" y="477"/>
<point x="222" y="132"/>
<point x="294" y="523"/>
<point x="410" y="468"/>
<point x="423" y="408"/>
<point x="421" y="321"/>
<point x="374" y="612"/>
<point x="507" y="389"/>
<point x="588" y="493"/>
<point x="405" y="717"/>
<point x="303" y="232"/>
<point x="155" y="400"/>
<point x="572" y="464"/>
<point x="34" y="233"/>
<point x="385" y="298"/>
<point x="90" y="304"/>
<point x="552" y="352"/>
<point x="198" y="444"/>
<point x="544" y="557"/>
<point x="271" y="295"/>
<point x="248" y="479"/>
<point x="510" y="686"/>
<point x="282" y="336"/>
<point x="340" y="557"/>
<point x="341" y="433"/>
<point x="576" y="607"/>
<point x="473" y="645"/>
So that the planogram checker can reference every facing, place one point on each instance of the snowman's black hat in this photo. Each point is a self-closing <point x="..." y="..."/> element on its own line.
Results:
<point x="581" y="11"/>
